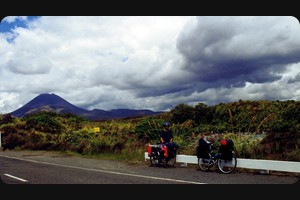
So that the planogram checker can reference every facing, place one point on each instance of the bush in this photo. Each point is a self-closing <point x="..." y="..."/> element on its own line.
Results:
<point x="44" y="122"/>
<point x="148" y="129"/>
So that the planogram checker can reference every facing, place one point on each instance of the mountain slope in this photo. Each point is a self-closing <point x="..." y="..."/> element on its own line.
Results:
<point x="54" y="103"/>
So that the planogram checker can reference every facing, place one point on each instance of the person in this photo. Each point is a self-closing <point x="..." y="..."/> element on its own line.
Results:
<point x="166" y="137"/>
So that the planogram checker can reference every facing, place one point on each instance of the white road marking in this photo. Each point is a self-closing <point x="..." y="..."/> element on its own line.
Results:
<point x="20" y="179"/>
<point x="110" y="172"/>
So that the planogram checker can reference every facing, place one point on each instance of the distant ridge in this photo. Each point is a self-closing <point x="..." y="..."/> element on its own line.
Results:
<point x="54" y="103"/>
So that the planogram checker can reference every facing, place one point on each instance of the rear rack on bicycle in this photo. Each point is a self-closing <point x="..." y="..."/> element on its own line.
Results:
<point x="154" y="145"/>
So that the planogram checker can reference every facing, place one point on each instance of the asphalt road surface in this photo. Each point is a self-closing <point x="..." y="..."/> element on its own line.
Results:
<point x="43" y="167"/>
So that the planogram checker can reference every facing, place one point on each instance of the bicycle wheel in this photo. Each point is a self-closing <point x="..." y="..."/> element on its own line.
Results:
<point x="171" y="160"/>
<point x="227" y="166"/>
<point x="153" y="161"/>
<point x="154" y="158"/>
<point x="205" y="163"/>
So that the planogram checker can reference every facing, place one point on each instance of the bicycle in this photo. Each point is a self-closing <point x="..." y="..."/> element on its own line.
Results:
<point x="161" y="155"/>
<point x="225" y="162"/>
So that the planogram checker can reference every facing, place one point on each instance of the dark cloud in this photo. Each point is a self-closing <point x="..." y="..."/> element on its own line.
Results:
<point x="231" y="51"/>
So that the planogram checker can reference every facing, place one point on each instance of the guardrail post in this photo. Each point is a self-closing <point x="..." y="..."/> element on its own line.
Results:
<point x="183" y="165"/>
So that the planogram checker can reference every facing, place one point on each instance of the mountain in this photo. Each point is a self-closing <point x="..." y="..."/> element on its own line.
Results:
<point x="54" y="103"/>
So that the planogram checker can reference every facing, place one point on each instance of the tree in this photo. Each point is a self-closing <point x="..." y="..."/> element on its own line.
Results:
<point x="6" y="119"/>
<point x="181" y="113"/>
<point x="203" y="114"/>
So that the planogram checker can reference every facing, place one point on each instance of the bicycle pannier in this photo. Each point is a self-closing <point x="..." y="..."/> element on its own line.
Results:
<point x="203" y="149"/>
<point x="226" y="149"/>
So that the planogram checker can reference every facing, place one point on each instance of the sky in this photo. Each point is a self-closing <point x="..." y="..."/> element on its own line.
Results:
<point x="148" y="62"/>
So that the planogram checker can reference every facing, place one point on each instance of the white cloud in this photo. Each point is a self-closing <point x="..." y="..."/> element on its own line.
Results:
<point x="11" y="19"/>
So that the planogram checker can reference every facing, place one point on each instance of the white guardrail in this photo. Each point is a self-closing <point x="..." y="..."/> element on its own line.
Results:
<point x="272" y="165"/>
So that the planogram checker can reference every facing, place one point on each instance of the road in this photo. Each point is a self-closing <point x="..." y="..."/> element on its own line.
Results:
<point x="43" y="167"/>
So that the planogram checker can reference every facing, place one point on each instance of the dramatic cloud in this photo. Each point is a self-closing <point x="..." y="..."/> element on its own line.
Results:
<point x="146" y="62"/>
<point x="231" y="51"/>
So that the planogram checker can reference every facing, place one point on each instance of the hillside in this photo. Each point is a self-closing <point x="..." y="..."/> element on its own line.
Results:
<point x="259" y="129"/>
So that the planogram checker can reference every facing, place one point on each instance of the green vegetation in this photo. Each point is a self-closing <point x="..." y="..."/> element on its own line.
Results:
<point x="259" y="129"/>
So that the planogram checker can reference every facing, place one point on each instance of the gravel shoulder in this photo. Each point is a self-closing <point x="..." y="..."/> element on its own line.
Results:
<point x="64" y="158"/>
